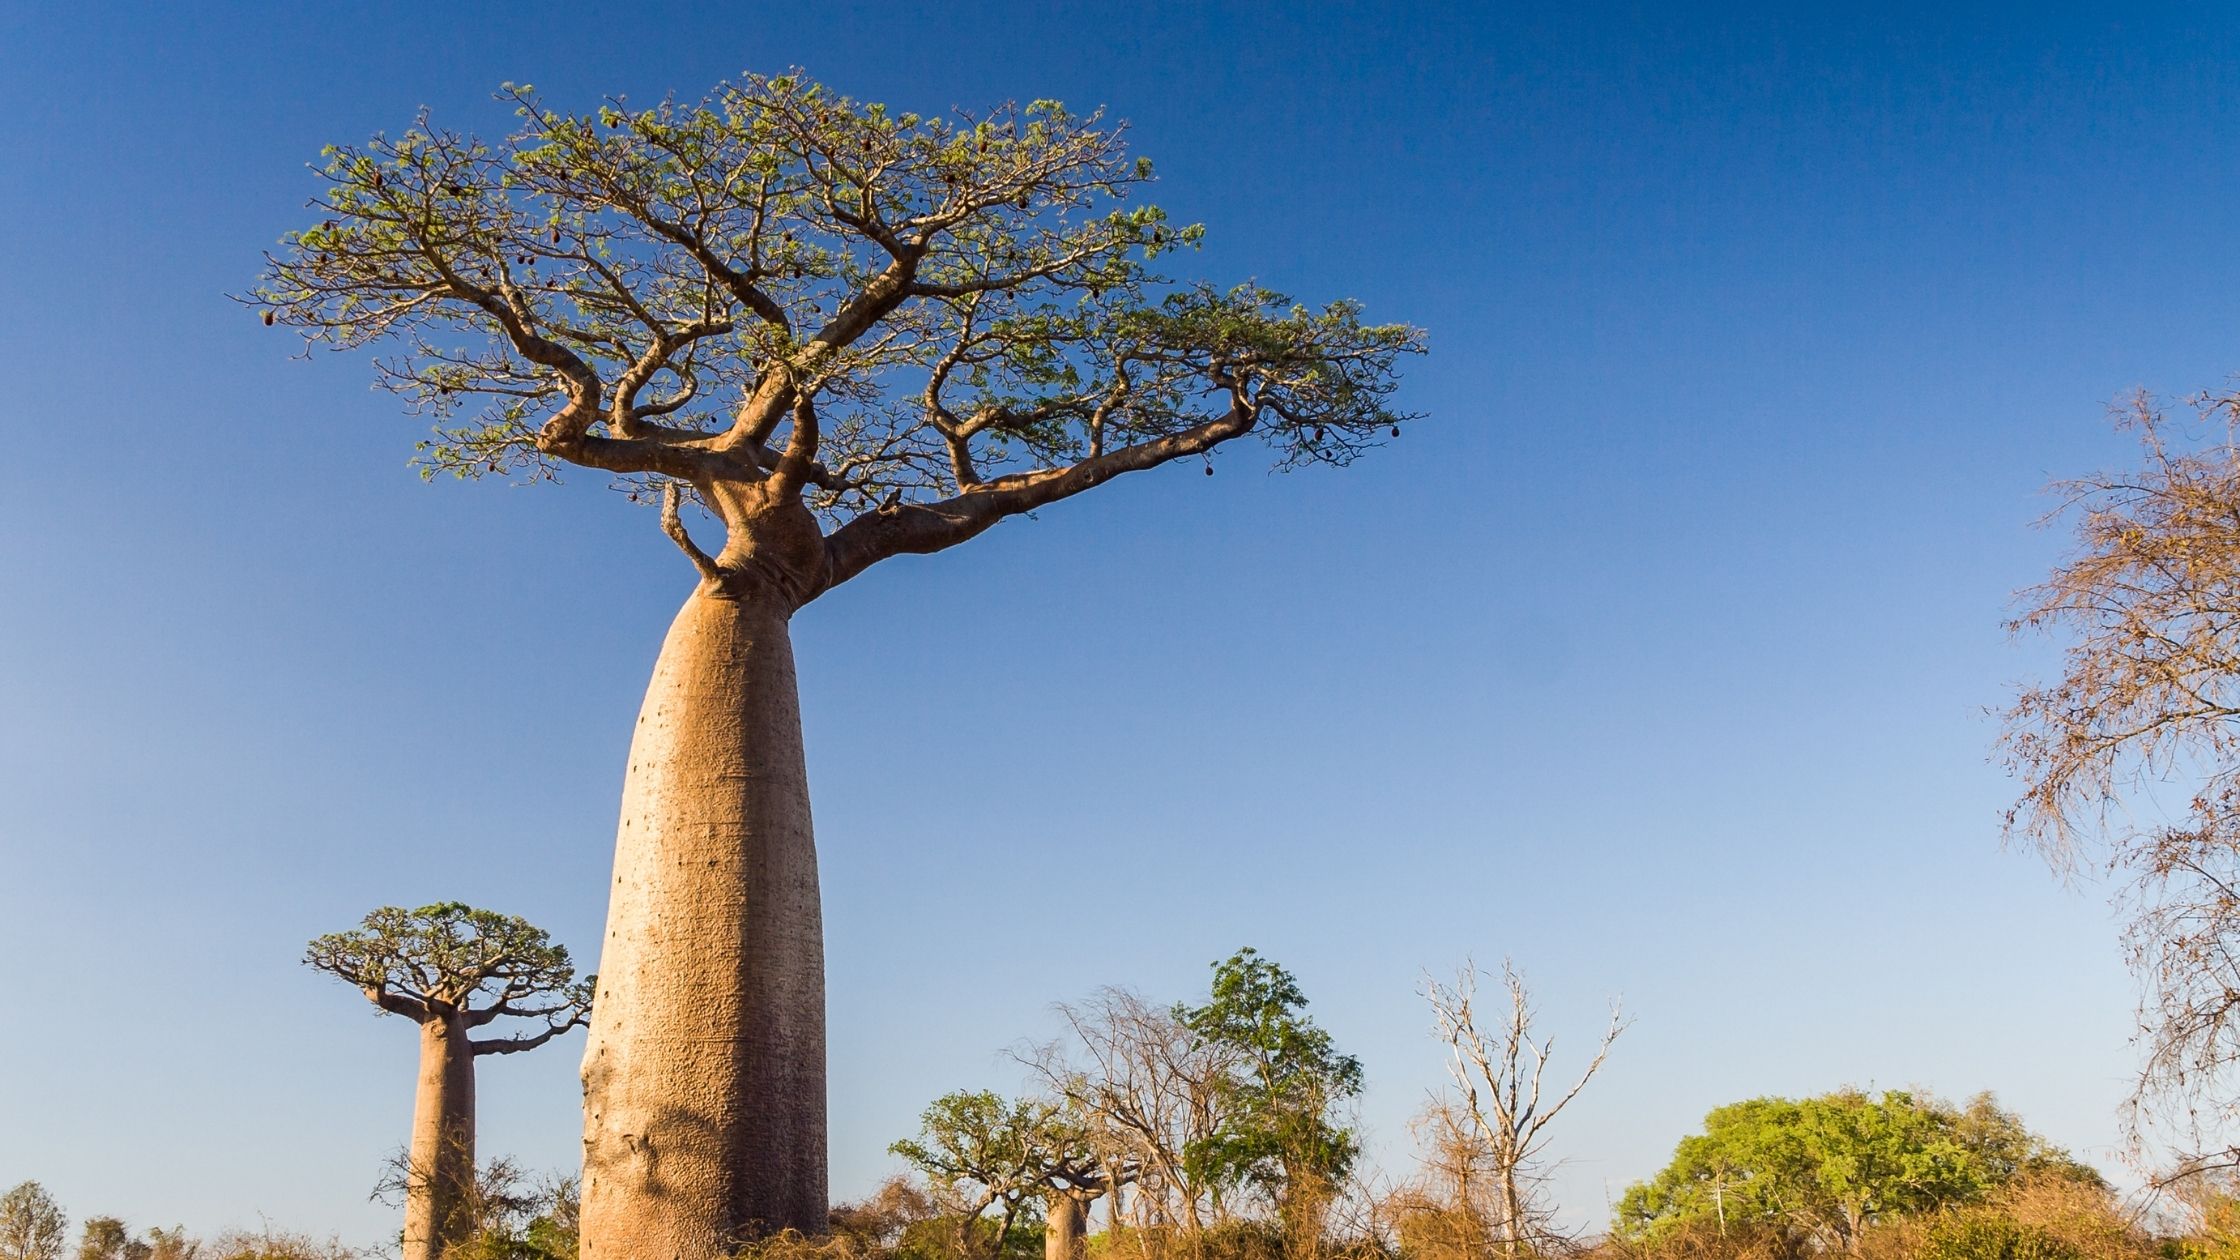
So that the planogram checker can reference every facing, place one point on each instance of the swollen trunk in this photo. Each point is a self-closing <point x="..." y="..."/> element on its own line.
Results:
<point x="439" y="1173"/>
<point x="1062" y="1232"/>
<point x="704" y="1078"/>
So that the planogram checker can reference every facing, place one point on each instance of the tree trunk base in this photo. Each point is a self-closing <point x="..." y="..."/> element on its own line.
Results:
<point x="704" y="1076"/>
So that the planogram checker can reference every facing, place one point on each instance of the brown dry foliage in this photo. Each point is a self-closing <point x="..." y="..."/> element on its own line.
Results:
<point x="2067" y="1216"/>
<point x="2148" y="603"/>
<point x="268" y="1243"/>
<point x="2149" y="599"/>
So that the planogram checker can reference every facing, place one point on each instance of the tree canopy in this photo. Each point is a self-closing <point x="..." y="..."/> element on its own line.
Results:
<point x="31" y="1224"/>
<point x="981" y="1150"/>
<point x="1823" y="1169"/>
<point x="451" y="960"/>
<point x="1286" y="1080"/>
<point x="106" y="1238"/>
<point x="916" y="325"/>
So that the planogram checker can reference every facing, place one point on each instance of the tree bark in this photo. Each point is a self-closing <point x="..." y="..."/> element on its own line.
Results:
<point x="1512" y="1212"/>
<point x="1064" y="1232"/>
<point x="439" y="1172"/>
<point x="704" y="1076"/>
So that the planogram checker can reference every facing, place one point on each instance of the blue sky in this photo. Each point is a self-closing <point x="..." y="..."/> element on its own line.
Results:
<point x="1657" y="656"/>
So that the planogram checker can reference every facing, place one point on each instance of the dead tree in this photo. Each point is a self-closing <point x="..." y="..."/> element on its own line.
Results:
<point x="1490" y="1134"/>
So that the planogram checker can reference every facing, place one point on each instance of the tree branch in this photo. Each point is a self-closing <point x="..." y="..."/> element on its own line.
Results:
<point x="397" y="1003"/>
<point x="922" y="529"/>
<point x="672" y="524"/>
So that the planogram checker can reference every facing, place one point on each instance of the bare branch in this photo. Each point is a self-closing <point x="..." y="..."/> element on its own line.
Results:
<point x="672" y="524"/>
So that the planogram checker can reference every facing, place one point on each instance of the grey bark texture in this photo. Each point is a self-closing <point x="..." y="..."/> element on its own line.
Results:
<point x="1065" y="1228"/>
<point x="704" y="1077"/>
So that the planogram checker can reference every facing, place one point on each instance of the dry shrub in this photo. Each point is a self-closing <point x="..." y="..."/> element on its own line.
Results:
<point x="273" y="1244"/>
<point x="2049" y="1217"/>
<point x="898" y="1221"/>
<point x="1984" y="1235"/>
<point x="1235" y="1240"/>
<point x="1699" y="1240"/>
<point x="2081" y="1215"/>
<point x="897" y="1218"/>
<point x="1429" y="1230"/>
<point x="792" y="1244"/>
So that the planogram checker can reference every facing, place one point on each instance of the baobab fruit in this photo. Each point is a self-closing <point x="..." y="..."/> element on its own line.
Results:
<point x="268" y="319"/>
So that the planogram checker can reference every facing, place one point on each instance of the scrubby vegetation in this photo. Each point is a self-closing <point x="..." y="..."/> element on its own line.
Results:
<point x="1222" y="1129"/>
<point x="844" y="335"/>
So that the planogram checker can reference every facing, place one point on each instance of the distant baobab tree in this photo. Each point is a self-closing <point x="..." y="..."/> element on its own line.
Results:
<point x="453" y="969"/>
<point x="980" y="1151"/>
<point x="847" y="333"/>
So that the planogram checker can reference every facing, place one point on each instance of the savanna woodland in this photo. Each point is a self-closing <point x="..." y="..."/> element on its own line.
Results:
<point x="807" y="333"/>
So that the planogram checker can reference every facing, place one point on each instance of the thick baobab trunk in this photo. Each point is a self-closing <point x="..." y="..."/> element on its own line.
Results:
<point x="1064" y="1231"/>
<point x="704" y="1078"/>
<point x="439" y="1169"/>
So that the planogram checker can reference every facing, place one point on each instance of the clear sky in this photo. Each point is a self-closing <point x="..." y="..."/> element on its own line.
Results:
<point x="1656" y="657"/>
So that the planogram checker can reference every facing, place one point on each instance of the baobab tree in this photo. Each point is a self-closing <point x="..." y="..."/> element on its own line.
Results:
<point x="982" y="1151"/>
<point x="453" y="969"/>
<point x="845" y="333"/>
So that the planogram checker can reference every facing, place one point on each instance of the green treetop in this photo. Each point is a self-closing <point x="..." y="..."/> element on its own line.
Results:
<point x="1820" y="1170"/>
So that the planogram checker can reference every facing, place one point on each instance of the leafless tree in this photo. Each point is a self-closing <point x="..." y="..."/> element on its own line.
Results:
<point x="2132" y="754"/>
<point x="1151" y="1092"/>
<point x="1488" y="1137"/>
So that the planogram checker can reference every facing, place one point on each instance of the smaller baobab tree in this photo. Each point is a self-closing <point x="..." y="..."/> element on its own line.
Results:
<point x="982" y="1151"/>
<point x="453" y="969"/>
<point x="1489" y="1135"/>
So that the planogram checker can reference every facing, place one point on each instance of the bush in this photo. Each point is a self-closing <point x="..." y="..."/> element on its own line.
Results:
<point x="1983" y="1236"/>
<point x="1703" y="1240"/>
<point x="271" y="1244"/>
